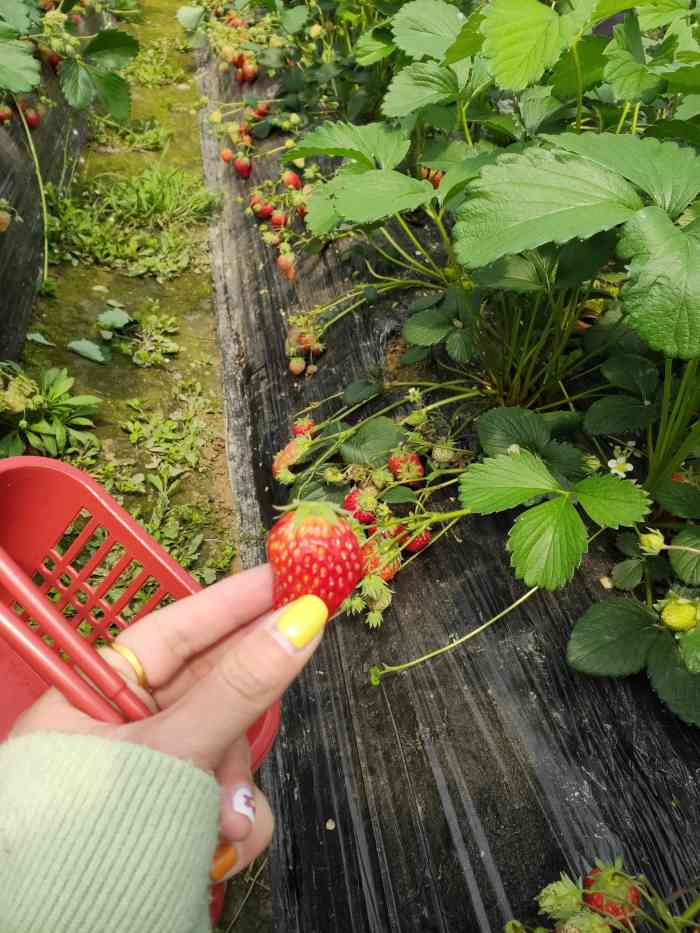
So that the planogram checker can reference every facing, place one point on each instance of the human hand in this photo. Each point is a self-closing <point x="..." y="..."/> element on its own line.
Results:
<point x="214" y="663"/>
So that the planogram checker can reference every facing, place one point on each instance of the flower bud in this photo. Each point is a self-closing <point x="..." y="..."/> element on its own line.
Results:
<point x="651" y="542"/>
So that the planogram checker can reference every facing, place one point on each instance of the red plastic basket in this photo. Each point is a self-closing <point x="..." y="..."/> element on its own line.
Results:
<point x="94" y="565"/>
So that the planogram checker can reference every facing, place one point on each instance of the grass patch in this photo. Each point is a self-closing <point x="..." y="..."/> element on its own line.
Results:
<point x="141" y="225"/>
<point x="132" y="136"/>
<point x="153" y="66"/>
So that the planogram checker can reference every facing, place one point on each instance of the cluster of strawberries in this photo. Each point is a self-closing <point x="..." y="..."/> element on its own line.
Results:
<point x="382" y="538"/>
<point x="303" y="346"/>
<point x="32" y="115"/>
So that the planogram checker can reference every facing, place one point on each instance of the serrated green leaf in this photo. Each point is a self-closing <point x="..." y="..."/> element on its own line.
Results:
<point x="561" y="423"/>
<point x="414" y="355"/>
<point x="611" y="502"/>
<point x="683" y="80"/>
<point x="679" y="499"/>
<point x="626" y="71"/>
<point x="546" y="543"/>
<point x="505" y="482"/>
<point x="16" y="15"/>
<point x="634" y="373"/>
<point x="460" y="345"/>
<point x="371" y="145"/>
<point x="19" y="70"/>
<point x="88" y="350"/>
<point x="469" y="41"/>
<point x="427" y="28"/>
<point x="111" y="49"/>
<point x="689" y="648"/>
<point x="538" y="105"/>
<point x="11" y="445"/>
<point x="373" y="46"/>
<point x="113" y="93"/>
<point x="501" y="428"/>
<point x="114" y="319"/>
<point x="613" y="638"/>
<point x="606" y="9"/>
<point x="425" y="301"/>
<point x="563" y="459"/>
<point x="190" y="17"/>
<point x="661" y="13"/>
<point x="398" y="495"/>
<point x="673" y="683"/>
<point x="373" y="442"/>
<point x="675" y="129"/>
<point x="669" y="174"/>
<point x="419" y="85"/>
<point x="294" y="18"/>
<point x="518" y="273"/>
<point x="380" y="193"/>
<point x="521" y="40"/>
<point x="661" y="299"/>
<point x="686" y="563"/>
<point x="618" y="414"/>
<point x="360" y="391"/>
<point x="591" y="59"/>
<point x="445" y="154"/>
<point x="426" y="328"/>
<point x="627" y="575"/>
<point x="538" y="197"/>
<point x="321" y="214"/>
<point x="77" y="84"/>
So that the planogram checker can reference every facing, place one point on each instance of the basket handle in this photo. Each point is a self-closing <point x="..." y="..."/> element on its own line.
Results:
<point x="103" y="677"/>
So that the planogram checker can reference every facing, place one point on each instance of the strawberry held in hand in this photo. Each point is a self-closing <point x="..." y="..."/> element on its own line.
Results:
<point x="611" y="893"/>
<point x="314" y="551"/>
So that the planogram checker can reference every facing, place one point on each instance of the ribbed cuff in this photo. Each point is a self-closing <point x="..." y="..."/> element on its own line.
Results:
<point x="99" y="836"/>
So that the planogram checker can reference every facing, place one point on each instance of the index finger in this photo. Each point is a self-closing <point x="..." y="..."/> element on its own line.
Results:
<point x="167" y="639"/>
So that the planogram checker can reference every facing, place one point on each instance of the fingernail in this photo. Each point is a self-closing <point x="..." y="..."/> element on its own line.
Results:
<point x="243" y="801"/>
<point x="224" y="861"/>
<point x="301" y="622"/>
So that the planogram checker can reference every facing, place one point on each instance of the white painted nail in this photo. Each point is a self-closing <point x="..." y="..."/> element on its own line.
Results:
<point x="243" y="801"/>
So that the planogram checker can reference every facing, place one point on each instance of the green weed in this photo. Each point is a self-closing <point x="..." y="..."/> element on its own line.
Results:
<point x="132" y="136"/>
<point x="153" y="67"/>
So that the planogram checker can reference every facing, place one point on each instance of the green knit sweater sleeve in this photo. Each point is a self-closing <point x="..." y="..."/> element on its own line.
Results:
<point x="99" y="836"/>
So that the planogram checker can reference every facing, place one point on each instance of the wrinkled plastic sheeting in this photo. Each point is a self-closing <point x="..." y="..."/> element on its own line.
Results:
<point x="459" y="788"/>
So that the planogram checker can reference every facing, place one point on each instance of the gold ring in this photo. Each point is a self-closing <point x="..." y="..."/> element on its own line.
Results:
<point x="136" y="665"/>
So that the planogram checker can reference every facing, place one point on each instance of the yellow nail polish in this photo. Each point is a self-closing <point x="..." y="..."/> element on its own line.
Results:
<point x="302" y="621"/>
<point x="224" y="861"/>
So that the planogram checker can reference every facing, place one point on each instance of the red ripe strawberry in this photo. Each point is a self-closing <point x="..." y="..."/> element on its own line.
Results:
<point x="54" y="60"/>
<point x="250" y="71"/>
<point x="265" y="211"/>
<point x="32" y="117"/>
<point x="244" y="127"/>
<point x="289" y="455"/>
<point x="243" y="166"/>
<point x="306" y="340"/>
<point x="610" y="893"/>
<point x="290" y="179"/>
<point x="419" y="542"/>
<point x="239" y="76"/>
<point x="301" y="210"/>
<point x="297" y="365"/>
<point x="278" y="219"/>
<point x="351" y="504"/>
<point x="436" y="178"/>
<point x="303" y="426"/>
<point x="313" y="551"/>
<point x="262" y="110"/>
<point x="75" y="18"/>
<point x="317" y="349"/>
<point x="226" y="155"/>
<point x="406" y="467"/>
<point x="255" y="198"/>
<point x="374" y="562"/>
<point x="5" y="220"/>
<point x="238" y="60"/>
<point x="5" y="114"/>
<point x="285" y="263"/>
<point x="397" y="531"/>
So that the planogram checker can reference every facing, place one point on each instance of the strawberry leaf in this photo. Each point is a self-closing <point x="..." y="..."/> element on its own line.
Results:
<point x="505" y="482"/>
<point x="611" y="502"/>
<point x="427" y="28"/>
<point x="547" y="542"/>
<point x="522" y="40"/>
<point x="427" y="328"/>
<point x="370" y="145"/>
<point x="673" y="683"/>
<point x="500" y="428"/>
<point x="626" y="70"/>
<point x="374" y="195"/>
<point x="372" y="442"/>
<point x="114" y="94"/>
<point x="111" y="49"/>
<point x="627" y="575"/>
<point x="19" y="70"/>
<point x="591" y="61"/>
<point x="419" y="85"/>
<point x="373" y="46"/>
<point x="618" y="414"/>
<point x="689" y="647"/>
<point x="77" y="84"/>
<point x="679" y="499"/>
<point x="538" y="197"/>
<point x="661" y="299"/>
<point x="613" y="638"/>
<point x="89" y="350"/>
<point x="686" y="564"/>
